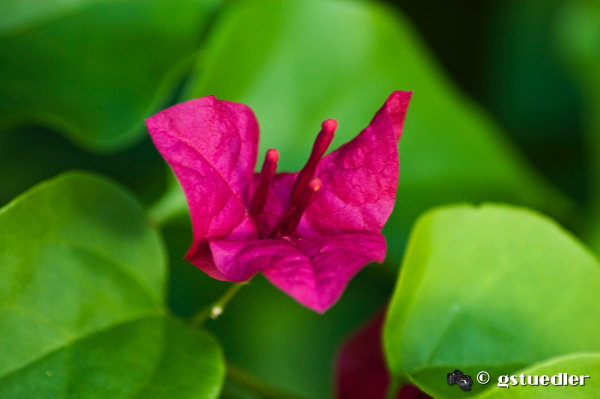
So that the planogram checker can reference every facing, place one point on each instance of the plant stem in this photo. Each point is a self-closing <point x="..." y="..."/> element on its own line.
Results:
<point x="393" y="388"/>
<point x="215" y="309"/>
<point x="245" y="379"/>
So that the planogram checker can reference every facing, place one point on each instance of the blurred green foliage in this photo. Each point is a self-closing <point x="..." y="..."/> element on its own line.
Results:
<point x="92" y="70"/>
<point x="532" y="94"/>
<point x="577" y="36"/>
<point x="30" y="154"/>
<point x="451" y="149"/>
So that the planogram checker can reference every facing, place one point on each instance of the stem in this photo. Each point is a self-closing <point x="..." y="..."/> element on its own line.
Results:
<point x="393" y="388"/>
<point x="213" y="311"/>
<point x="245" y="379"/>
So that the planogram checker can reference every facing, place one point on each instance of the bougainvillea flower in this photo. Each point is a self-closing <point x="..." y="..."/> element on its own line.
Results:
<point x="309" y="232"/>
<point x="360" y="369"/>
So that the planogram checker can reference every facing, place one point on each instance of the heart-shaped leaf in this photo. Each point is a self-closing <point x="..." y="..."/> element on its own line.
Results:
<point x="491" y="289"/>
<point x="342" y="65"/>
<point x="92" y="69"/>
<point x="82" y="277"/>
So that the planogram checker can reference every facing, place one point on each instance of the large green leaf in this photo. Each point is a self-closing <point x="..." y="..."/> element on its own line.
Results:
<point x="93" y="69"/>
<point x="299" y="62"/>
<point x="578" y="365"/>
<point x="493" y="288"/>
<point x="82" y="276"/>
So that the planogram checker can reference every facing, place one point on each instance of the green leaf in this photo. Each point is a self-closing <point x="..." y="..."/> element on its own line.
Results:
<point x="82" y="281"/>
<point x="581" y="364"/>
<point x="343" y="64"/>
<point x="491" y="288"/>
<point x="94" y="69"/>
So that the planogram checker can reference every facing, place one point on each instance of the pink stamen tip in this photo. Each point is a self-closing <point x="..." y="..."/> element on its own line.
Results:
<point x="272" y="155"/>
<point x="315" y="185"/>
<point x="259" y="199"/>
<point x="292" y="221"/>
<point x="329" y="126"/>
<point x="322" y="142"/>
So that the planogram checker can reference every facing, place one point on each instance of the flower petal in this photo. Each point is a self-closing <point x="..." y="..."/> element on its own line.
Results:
<point x="361" y="177"/>
<point x="212" y="147"/>
<point x="313" y="271"/>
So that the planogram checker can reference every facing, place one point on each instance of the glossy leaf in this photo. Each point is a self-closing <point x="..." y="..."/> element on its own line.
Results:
<point x="82" y="289"/>
<point x="295" y="74"/>
<point x="94" y="69"/>
<point x="491" y="288"/>
<point x="580" y="364"/>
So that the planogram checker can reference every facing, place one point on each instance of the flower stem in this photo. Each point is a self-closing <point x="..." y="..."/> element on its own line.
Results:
<point x="393" y="388"/>
<point x="243" y="379"/>
<point x="216" y="308"/>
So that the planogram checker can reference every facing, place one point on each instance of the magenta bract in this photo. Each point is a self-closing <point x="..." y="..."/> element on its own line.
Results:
<point x="310" y="232"/>
<point x="360" y="370"/>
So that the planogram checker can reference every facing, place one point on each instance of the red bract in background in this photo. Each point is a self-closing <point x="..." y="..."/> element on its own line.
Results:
<point x="360" y="370"/>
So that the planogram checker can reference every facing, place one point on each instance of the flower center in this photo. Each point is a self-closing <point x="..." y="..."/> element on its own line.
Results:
<point x="292" y="218"/>
<point x="305" y="186"/>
